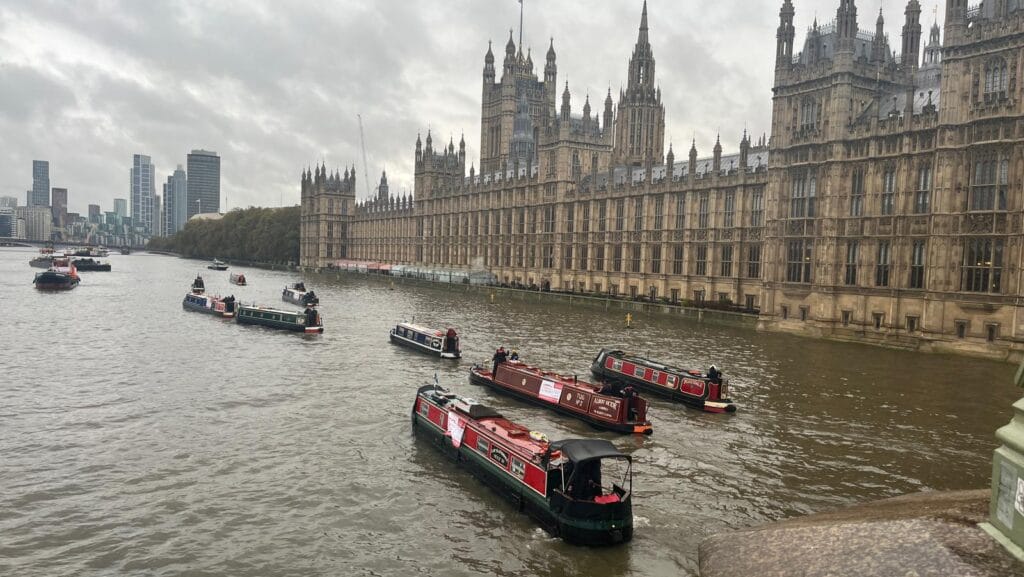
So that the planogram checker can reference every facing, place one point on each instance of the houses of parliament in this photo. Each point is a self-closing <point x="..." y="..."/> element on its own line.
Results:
<point x="885" y="206"/>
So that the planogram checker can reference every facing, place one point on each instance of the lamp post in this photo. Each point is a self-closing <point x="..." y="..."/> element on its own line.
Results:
<point x="1006" y="504"/>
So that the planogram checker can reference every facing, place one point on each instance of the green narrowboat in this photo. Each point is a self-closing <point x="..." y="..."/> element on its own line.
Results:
<point x="308" y="321"/>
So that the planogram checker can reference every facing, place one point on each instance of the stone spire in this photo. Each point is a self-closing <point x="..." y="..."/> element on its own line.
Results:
<point x="489" y="65"/>
<point x="566" y="110"/>
<point x="784" y="36"/>
<point x="640" y="130"/>
<point x="912" y="34"/>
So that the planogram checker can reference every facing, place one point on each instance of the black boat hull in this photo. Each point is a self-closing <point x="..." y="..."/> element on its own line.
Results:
<point x="279" y="325"/>
<point x="397" y="340"/>
<point x="54" y="281"/>
<point x="598" y="369"/>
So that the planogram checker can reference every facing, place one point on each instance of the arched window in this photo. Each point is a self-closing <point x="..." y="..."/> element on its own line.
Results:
<point x="996" y="78"/>
<point x="808" y="114"/>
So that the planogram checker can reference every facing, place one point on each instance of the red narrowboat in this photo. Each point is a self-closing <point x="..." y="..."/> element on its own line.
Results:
<point x="618" y="410"/>
<point x="688" y="386"/>
<point x="578" y="489"/>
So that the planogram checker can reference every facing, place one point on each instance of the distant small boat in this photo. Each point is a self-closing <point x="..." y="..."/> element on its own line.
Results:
<point x="308" y="321"/>
<point x="42" y="261"/>
<point x="211" y="305"/>
<point x="237" y="278"/>
<point x="297" y="294"/>
<point x="217" y="265"/>
<point x="61" y="276"/>
<point x="126" y="250"/>
<point x="198" y="286"/>
<point x="90" y="264"/>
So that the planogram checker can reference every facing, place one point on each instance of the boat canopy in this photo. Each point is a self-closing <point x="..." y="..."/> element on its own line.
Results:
<point x="582" y="450"/>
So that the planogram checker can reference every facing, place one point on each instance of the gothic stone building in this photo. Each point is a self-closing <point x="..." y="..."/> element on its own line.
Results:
<point x="886" y="206"/>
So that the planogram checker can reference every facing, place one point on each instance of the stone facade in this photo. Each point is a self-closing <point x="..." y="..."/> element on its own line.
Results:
<point x="890" y="210"/>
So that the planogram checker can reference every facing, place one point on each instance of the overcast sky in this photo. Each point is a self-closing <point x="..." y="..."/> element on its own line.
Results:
<point x="275" y="85"/>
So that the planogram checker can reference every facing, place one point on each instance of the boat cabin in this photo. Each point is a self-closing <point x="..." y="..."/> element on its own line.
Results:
<point x="432" y="341"/>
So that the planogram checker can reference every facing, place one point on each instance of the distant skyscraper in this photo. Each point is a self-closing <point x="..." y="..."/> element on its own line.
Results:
<point x="94" y="213"/>
<point x="143" y="189"/>
<point x="8" y="202"/>
<point x="203" y="182"/>
<point x="38" y="222"/>
<point x="175" y="201"/>
<point x="121" y="207"/>
<point x="40" y="183"/>
<point x="59" y="206"/>
<point x="8" y="222"/>
<point x="158" y="216"/>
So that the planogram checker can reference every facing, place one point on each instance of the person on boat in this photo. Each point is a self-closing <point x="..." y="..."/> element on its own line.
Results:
<point x="629" y="394"/>
<point x="198" y="283"/>
<point x="500" y="356"/>
<point x="714" y="375"/>
<point x="312" y="319"/>
<point x="310" y="296"/>
<point x="300" y="286"/>
<point x="450" y="339"/>
<point x="514" y="356"/>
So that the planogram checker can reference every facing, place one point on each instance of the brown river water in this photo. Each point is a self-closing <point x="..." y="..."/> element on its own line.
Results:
<point x="140" y="439"/>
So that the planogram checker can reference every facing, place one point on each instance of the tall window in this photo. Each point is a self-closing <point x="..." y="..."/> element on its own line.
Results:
<point x="680" y="211"/>
<point x="702" y="259"/>
<point x="857" y="193"/>
<point x="888" y="191"/>
<point x="586" y="217"/>
<point x="852" y="255"/>
<point x="548" y="255"/>
<point x="917" y="256"/>
<point x="727" y="260"/>
<point x="757" y="208"/>
<point x="808" y="114"/>
<point x="754" y="261"/>
<point x="549" y="219"/>
<point x="617" y="258"/>
<point x="638" y="213"/>
<point x="923" y="194"/>
<point x="583" y="257"/>
<point x="620" y="214"/>
<point x="730" y="208"/>
<point x="521" y="217"/>
<point x="988" y="190"/>
<point x="599" y="258"/>
<point x="882" y="264"/>
<point x="570" y="218"/>
<point x="995" y="79"/>
<point x="677" y="259"/>
<point x="634" y="263"/>
<point x="602" y="215"/>
<point x="798" y="260"/>
<point x="804" y="192"/>
<point x="983" y="265"/>
<point x="659" y="212"/>
<point x="703" y="214"/>
<point x="567" y="257"/>
<point x="656" y="259"/>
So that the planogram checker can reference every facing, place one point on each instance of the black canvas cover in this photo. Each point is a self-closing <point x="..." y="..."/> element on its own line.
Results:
<point x="580" y="450"/>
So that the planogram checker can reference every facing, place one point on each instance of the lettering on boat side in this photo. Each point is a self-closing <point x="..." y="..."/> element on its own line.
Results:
<point x="550" y="391"/>
<point x="608" y="408"/>
<point x="577" y="399"/>
<point x="456" y="428"/>
<point x="499" y="456"/>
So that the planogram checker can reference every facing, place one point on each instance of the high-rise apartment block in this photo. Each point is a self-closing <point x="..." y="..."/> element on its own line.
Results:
<point x="40" y="194"/>
<point x="143" y="189"/>
<point x="59" y="206"/>
<point x="203" y="183"/>
<point x="175" y="201"/>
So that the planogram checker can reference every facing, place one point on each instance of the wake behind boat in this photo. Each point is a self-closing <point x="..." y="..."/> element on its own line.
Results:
<point x="709" y="393"/>
<point x="578" y="489"/>
<point x="618" y="410"/>
<point x="426" y="340"/>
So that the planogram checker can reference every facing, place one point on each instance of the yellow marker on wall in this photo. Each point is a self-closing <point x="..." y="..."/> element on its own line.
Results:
<point x="629" y="319"/>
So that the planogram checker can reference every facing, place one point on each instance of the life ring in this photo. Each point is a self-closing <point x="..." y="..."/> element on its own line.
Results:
<point x="435" y="343"/>
<point x="538" y="436"/>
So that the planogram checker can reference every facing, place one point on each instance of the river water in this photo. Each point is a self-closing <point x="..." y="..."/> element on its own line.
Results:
<point x="140" y="439"/>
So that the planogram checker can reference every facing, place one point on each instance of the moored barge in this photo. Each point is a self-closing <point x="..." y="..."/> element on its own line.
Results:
<point x="578" y="489"/>
<point x="61" y="276"/>
<point x="211" y="305"/>
<point x="308" y="321"/>
<point x="620" y="410"/>
<point x="298" y="295"/>
<point x="91" y="264"/>
<point x="688" y="386"/>
<point x="237" y="278"/>
<point x="431" y="341"/>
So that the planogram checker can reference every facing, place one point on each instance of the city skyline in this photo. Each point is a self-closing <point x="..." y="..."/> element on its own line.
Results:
<point x="238" y="109"/>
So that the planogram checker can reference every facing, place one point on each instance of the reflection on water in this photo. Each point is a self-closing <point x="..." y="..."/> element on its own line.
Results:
<point x="141" y="439"/>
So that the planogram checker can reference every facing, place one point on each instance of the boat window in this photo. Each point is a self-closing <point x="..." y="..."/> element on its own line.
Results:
<point x="638" y="372"/>
<point x="518" y="468"/>
<point x="424" y="409"/>
<point x="481" y="445"/>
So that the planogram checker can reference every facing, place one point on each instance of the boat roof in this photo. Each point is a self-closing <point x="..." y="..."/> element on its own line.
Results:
<point x="269" y="309"/>
<point x="573" y="380"/>
<point x="579" y="450"/>
<point x="421" y="329"/>
<point x="634" y="358"/>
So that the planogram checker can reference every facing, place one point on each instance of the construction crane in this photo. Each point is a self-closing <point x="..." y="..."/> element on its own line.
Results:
<point x="366" y="171"/>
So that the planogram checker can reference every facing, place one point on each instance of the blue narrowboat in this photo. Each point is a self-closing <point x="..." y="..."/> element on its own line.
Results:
<point x="211" y="305"/>
<point x="431" y="341"/>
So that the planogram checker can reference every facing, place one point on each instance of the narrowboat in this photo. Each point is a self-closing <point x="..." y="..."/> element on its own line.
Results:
<point x="688" y="386"/>
<point x="430" y="341"/>
<point x="198" y="286"/>
<point x="308" y="321"/>
<point x="91" y="264"/>
<point x="211" y="305"/>
<point x="577" y="489"/>
<point x="298" y="295"/>
<point x="619" y="410"/>
<point x="42" y="261"/>
<point x="61" y="276"/>
<point x="217" y="265"/>
<point x="237" y="278"/>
